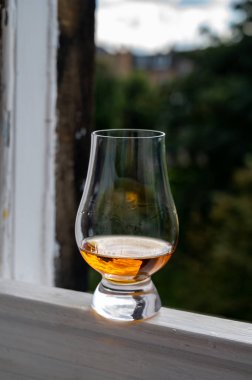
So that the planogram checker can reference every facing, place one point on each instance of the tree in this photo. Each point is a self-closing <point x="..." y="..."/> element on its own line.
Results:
<point x="232" y="246"/>
<point x="207" y="117"/>
<point x="109" y="104"/>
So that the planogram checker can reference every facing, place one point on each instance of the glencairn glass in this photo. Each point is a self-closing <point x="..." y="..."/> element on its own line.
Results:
<point x="126" y="224"/>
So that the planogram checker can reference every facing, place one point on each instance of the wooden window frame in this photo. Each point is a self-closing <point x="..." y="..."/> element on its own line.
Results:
<point x="51" y="333"/>
<point x="27" y="144"/>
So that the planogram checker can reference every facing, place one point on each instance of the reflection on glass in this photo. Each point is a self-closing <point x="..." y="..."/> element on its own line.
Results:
<point x="126" y="225"/>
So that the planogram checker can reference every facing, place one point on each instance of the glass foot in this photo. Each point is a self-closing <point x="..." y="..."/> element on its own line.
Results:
<point x="126" y="302"/>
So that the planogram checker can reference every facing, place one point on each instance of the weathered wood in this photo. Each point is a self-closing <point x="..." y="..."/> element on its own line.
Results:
<point x="50" y="333"/>
<point x="6" y="135"/>
<point x="27" y="140"/>
<point x="75" y="114"/>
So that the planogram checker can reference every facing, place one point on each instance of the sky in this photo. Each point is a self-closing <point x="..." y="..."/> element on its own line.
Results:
<point x="157" y="25"/>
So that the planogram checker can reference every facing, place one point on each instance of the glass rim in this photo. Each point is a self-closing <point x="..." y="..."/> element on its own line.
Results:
<point x="152" y="133"/>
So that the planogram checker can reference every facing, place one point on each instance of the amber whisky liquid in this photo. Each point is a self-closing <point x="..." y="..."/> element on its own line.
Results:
<point x="126" y="258"/>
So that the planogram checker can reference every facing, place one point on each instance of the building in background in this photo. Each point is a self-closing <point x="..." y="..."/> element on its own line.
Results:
<point x="159" y="68"/>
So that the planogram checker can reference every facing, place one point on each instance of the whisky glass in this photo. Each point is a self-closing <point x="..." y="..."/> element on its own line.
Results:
<point x="126" y="225"/>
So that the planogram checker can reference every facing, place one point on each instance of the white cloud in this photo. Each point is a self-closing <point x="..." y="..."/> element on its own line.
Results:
<point x="153" y="25"/>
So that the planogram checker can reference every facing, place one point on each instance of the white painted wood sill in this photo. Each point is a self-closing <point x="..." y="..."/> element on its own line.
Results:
<point x="51" y="333"/>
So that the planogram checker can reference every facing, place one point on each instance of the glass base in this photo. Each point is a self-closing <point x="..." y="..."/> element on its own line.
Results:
<point x="126" y="302"/>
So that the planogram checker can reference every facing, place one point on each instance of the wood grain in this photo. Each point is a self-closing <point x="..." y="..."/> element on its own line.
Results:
<point x="51" y="333"/>
<point x="75" y="70"/>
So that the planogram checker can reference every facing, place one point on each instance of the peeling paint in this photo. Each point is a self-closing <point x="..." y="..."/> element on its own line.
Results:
<point x="5" y="128"/>
<point x="5" y="214"/>
<point x="48" y="243"/>
<point x="6" y="17"/>
<point x="27" y="149"/>
<point x="7" y="144"/>
<point x="81" y="133"/>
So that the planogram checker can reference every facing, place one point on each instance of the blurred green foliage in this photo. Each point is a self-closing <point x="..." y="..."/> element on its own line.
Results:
<point x="207" y="117"/>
